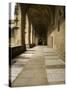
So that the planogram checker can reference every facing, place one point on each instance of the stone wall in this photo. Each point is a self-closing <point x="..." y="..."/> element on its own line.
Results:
<point x="56" y="35"/>
<point x="57" y="40"/>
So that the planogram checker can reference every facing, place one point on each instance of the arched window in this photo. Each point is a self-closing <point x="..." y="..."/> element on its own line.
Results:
<point x="15" y="25"/>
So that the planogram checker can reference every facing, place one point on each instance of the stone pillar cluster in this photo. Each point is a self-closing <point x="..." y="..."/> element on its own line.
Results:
<point x="29" y="33"/>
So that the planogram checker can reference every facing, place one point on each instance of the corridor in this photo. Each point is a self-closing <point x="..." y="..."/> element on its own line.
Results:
<point x="36" y="45"/>
<point x="40" y="65"/>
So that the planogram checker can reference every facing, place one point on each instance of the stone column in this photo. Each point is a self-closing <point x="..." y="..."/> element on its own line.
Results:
<point x="23" y="27"/>
<point x="29" y="33"/>
<point x="26" y="31"/>
<point x="33" y="36"/>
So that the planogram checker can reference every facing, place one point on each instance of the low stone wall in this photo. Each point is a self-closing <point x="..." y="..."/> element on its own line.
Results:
<point x="14" y="51"/>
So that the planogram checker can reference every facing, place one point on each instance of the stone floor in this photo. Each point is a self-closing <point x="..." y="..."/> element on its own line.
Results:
<point x="38" y="66"/>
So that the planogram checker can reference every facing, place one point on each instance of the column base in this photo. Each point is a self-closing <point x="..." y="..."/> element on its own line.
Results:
<point x="30" y="45"/>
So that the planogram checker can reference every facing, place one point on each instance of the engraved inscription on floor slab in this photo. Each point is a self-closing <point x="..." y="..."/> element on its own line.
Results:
<point x="14" y="72"/>
<point x="54" y="62"/>
<point x="49" y="50"/>
<point x="26" y="55"/>
<point x="55" y="75"/>
<point x="51" y="57"/>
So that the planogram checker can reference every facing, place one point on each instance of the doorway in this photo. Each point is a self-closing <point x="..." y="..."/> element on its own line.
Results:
<point x="52" y="41"/>
<point x="40" y="42"/>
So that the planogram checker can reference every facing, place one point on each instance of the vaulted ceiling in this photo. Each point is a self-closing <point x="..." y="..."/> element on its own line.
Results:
<point x="40" y="15"/>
